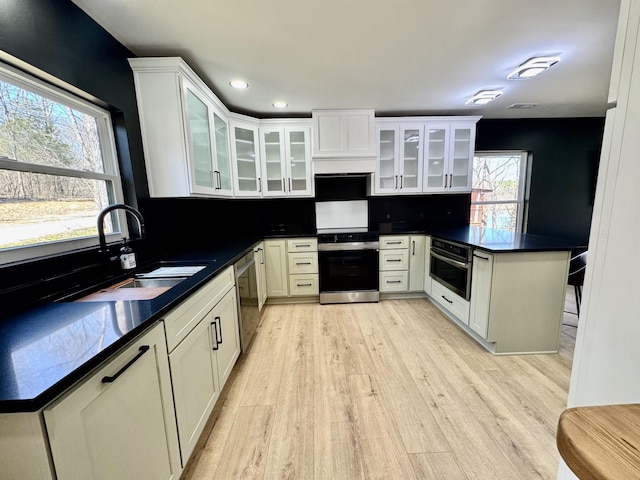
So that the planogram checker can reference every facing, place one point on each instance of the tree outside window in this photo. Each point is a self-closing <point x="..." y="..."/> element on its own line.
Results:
<point x="497" y="195"/>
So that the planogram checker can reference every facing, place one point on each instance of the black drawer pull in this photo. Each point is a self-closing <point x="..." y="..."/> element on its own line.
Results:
<point x="303" y="263"/>
<point x="111" y="379"/>
<point x="394" y="259"/>
<point x="300" y="245"/>
<point x="394" y="281"/>
<point x="446" y="299"/>
<point x="394" y="243"/>
<point x="303" y="285"/>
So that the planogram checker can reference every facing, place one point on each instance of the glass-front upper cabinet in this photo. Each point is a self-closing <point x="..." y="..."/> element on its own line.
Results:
<point x="286" y="161"/>
<point x="449" y="157"/>
<point x="399" y="165"/>
<point x="208" y="146"/>
<point x="246" y="164"/>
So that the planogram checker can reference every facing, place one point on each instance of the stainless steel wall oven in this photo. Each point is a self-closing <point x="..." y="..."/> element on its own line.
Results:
<point x="450" y="265"/>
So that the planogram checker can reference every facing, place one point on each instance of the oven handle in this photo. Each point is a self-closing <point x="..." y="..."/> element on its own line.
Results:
<point x="450" y="261"/>
<point x="337" y="247"/>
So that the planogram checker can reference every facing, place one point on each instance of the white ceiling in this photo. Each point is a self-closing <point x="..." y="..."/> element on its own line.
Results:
<point x="400" y="57"/>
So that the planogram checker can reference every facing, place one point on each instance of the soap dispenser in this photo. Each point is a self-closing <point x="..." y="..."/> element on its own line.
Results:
<point x="127" y="256"/>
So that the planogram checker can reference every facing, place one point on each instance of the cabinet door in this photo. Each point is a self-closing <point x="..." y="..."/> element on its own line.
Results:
<point x="194" y="374"/>
<point x="246" y="166"/>
<point x="386" y="178"/>
<point x="481" y="293"/>
<point x="119" y="427"/>
<point x="199" y="145"/>
<point x="276" y="264"/>
<point x="427" y="265"/>
<point x="436" y="157"/>
<point x="227" y="335"/>
<point x="410" y="171"/>
<point x="461" y="158"/>
<point x="298" y="160"/>
<point x="272" y="149"/>
<point x="416" y="263"/>
<point x="224" y="182"/>
<point x="261" y="275"/>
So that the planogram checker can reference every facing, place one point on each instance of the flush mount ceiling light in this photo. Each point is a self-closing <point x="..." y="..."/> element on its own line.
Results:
<point x="280" y="104"/>
<point x="239" y="84"/>
<point x="532" y="67"/>
<point x="483" y="97"/>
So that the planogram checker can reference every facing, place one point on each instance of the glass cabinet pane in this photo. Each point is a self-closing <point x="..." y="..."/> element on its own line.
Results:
<point x="298" y="160"/>
<point x="461" y="158"/>
<point x="411" y="158"/>
<point x="223" y="159"/>
<point x="246" y="159"/>
<point x="387" y="160"/>
<point x="273" y="161"/>
<point x="435" y="162"/>
<point x="200" y="137"/>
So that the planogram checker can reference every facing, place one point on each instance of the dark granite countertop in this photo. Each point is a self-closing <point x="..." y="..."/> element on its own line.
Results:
<point x="44" y="350"/>
<point x="500" y="241"/>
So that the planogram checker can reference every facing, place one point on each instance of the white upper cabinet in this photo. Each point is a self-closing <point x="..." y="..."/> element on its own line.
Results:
<point x="184" y="130"/>
<point x="448" y="162"/>
<point x="285" y="155"/>
<point x="399" y="165"/>
<point x="246" y="161"/>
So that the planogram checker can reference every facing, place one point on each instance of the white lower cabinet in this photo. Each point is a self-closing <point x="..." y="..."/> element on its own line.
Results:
<point x="119" y="423"/>
<point x="402" y="263"/>
<point x="202" y="361"/>
<point x="292" y="267"/>
<point x="481" y="292"/>
<point x="416" y="263"/>
<point x="450" y="301"/>
<point x="427" y="265"/>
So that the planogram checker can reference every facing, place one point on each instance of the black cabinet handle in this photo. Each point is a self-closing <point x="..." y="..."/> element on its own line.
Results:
<point x="303" y="263"/>
<point x="259" y="185"/>
<point x="401" y="182"/>
<point x="394" y="281"/>
<point x="394" y="259"/>
<point x="446" y="299"/>
<point x="218" y="329"/>
<point x="303" y="285"/>
<point x="113" y="378"/>
<point x="395" y="242"/>
<point x="413" y="243"/>
<point x="215" y="334"/>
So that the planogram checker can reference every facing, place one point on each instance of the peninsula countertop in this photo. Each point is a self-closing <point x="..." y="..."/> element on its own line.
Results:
<point x="500" y="241"/>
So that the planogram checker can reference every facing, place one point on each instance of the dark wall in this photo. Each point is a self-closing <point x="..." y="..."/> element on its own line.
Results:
<point x="60" y="39"/>
<point x="565" y="154"/>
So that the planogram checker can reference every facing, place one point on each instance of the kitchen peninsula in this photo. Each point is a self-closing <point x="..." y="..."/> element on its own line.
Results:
<point x="516" y="297"/>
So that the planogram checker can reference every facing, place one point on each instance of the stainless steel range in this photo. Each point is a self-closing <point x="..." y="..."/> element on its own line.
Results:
<point x="348" y="254"/>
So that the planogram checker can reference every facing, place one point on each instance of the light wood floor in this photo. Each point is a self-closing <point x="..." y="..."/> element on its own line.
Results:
<point x="392" y="390"/>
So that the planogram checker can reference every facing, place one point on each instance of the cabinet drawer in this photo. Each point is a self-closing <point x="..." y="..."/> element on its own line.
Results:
<point x="303" y="263"/>
<point x="394" y="281"/>
<point x="394" y="241"/>
<point x="455" y="304"/>
<point x="182" y="319"/>
<point x="394" y="260"/>
<point x="303" y="284"/>
<point x="302" y="245"/>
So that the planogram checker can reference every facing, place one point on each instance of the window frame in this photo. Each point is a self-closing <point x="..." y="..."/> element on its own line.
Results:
<point x="522" y="201"/>
<point x="39" y="83"/>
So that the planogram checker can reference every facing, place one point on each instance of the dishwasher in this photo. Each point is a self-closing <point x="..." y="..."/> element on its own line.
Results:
<point x="247" y="296"/>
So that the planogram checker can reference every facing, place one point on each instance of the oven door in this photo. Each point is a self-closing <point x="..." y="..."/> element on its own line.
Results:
<point x="348" y="270"/>
<point x="453" y="274"/>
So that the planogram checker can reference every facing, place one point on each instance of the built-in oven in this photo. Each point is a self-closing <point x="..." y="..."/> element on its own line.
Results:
<point x="450" y="265"/>
<point x="348" y="267"/>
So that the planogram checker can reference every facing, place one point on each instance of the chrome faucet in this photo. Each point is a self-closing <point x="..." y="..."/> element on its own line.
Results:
<point x="110" y="208"/>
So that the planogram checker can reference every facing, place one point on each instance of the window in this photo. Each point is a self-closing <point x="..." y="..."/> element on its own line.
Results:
<point x="58" y="169"/>
<point x="498" y="192"/>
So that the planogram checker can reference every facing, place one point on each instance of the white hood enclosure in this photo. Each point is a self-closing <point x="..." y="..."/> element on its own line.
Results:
<point x="344" y="141"/>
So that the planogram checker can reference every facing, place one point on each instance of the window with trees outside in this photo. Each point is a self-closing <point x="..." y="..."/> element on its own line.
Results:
<point x="498" y="191"/>
<point x="58" y="168"/>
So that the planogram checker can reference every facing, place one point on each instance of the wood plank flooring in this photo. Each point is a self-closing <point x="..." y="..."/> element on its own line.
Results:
<point x="388" y="390"/>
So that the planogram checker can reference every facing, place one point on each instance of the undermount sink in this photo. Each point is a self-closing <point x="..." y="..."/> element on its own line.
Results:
<point x="144" y="286"/>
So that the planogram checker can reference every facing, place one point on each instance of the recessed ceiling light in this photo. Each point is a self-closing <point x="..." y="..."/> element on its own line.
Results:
<point x="239" y="84"/>
<point x="280" y="104"/>
<point x="533" y="67"/>
<point x="483" y="97"/>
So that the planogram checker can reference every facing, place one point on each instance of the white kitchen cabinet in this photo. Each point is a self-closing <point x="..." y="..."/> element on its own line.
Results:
<point x="427" y="265"/>
<point x="451" y="302"/>
<point x="245" y="158"/>
<point x="448" y="162"/>
<point x="343" y="133"/>
<point x="261" y="274"/>
<point x="292" y="267"/>
<point x="275" y="251"/>
<point x="184" y="130"/>
<point x="285" y="160"/>
<point x="394" y="263"/>
<point x="118" y="423"/>
<point x="399" y="165"/>
<point x="202" y="361"/>
<point x="517" y="300"/>
<point x="416" y="263"/>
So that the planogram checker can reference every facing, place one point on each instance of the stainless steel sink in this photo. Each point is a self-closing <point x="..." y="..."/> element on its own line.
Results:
<point x="152" y="282"/>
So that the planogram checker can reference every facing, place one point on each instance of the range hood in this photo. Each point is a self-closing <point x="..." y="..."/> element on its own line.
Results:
<point x="344" y="141"/>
